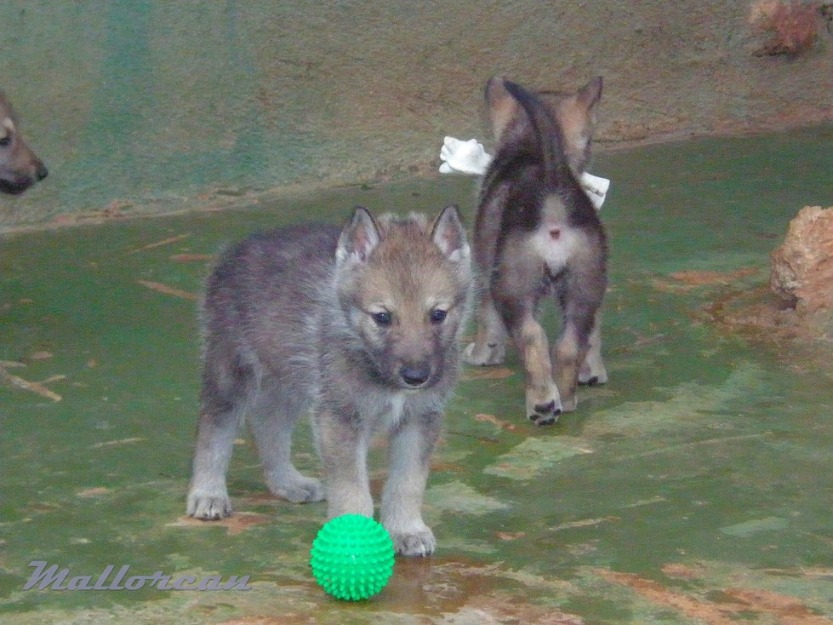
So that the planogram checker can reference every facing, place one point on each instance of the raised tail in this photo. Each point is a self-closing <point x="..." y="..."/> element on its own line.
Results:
<point x="548" y="136"/>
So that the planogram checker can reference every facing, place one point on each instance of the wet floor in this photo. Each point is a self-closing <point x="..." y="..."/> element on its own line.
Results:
<point x="695" y="487"/>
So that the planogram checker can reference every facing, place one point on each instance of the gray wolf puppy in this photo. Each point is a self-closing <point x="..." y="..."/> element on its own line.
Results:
<point x="19" y="167"/>
<point x="360" y="327"/>
<point x="537" y="233"/>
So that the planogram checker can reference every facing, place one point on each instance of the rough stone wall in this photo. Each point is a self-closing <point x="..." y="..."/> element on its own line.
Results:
<point x="145" y="105"/>
<point x="802" y="267"/>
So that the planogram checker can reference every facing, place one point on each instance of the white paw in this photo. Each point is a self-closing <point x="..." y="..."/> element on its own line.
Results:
<point x="592" y="372"/>
<point x="416" y="542"/>
<point x="208" y="505"/>
<point x="298" y="489"/>
<point x="484" y="355"/>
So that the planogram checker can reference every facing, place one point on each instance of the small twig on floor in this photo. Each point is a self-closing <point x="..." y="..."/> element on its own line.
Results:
<point x="168" y="290"/>
<point x="168" y="241"/>
<point x="193" y="258"/>
<point x="53" y="378"/>
<point x="121" y="441"/>
<point x="26" y="385"/>
<point x="585" y="523"/>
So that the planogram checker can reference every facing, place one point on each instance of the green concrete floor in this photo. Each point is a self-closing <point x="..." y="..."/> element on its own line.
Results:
<point x="695" y="487"/>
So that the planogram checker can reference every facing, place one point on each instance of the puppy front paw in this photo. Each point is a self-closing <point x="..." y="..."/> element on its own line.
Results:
<point x="208" y="506"/>
<point x="416" y="545"/>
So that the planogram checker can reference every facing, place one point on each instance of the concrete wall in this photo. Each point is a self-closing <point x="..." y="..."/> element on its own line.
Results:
<point x="151" y="105"/>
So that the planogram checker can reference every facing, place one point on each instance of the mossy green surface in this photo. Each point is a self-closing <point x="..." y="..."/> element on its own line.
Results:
<point x="694" y="486"/>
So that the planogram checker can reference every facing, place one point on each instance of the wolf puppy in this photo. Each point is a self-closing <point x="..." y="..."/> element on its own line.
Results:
<point x="537" y="233"/>
<point x="19" y="167"/>
<point x="360" y="327"/>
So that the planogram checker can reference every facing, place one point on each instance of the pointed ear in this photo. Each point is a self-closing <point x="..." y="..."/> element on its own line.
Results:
<point x="358" y="238"/>
<point x="449" y="235"/>
<point x="502" y="106"/>
<point x="577" y="117"/>
<point x="590" y="94"/>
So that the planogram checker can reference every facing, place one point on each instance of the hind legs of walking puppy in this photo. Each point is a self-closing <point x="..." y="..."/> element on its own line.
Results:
<point x="358" y="326"/>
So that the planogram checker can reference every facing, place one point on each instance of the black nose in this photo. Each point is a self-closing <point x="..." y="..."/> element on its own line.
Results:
<point x="415" y="375"/>
<point x="42" y="172"/>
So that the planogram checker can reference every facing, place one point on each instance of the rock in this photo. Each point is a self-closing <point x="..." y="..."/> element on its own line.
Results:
<point x="802" y="267"/>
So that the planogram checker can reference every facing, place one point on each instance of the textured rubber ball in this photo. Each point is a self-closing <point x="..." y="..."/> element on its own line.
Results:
<point x="352" y="557"/>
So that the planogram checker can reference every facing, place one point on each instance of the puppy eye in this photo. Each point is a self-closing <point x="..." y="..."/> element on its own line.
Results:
<point x="438" y="315"/>
<point x="5" y="141"/>
<point x="382" y="319"/>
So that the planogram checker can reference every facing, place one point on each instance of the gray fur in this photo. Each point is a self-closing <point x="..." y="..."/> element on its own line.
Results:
<point x="536" y="234"/>
<point x="342" y="324"/>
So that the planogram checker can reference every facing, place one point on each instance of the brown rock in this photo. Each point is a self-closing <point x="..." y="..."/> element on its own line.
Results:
<point x="802" y="267"/>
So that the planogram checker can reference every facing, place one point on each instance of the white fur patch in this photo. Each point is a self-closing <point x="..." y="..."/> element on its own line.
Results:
<point x="460" y="254"/>
<point x="555" y="252"/>
<point x="397" y="410"/>
<point x="8" y="124"/>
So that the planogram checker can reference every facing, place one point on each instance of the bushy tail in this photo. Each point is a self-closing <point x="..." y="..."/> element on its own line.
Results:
<point x="548" y="135"/>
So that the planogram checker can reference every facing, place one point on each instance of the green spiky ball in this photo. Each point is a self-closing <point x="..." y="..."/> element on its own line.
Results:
<point x="352" y="557"/>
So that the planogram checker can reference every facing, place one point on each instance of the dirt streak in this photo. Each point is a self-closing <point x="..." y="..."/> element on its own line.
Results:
<point x="487" y="418"/>
<point x="657" y="593"/>
<point x="236" y="524"/>
<point x="192" y="258"/>
<point x="788" y="610"/>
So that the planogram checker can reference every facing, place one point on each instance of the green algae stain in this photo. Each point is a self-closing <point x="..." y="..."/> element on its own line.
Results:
<point x="459" y="497"/>
<point x="688" y="404"/>
<point x="534" y="456"/>
<point x="748" y="528"/>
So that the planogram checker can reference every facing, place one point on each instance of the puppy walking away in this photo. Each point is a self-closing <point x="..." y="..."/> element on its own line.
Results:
<point x="537" y="233"/>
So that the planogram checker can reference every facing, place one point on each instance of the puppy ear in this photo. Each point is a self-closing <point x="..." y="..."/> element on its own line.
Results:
<point x="449" y="235"/>
<point x="502" y="106"/>
<point x="577" y="116"/>
<point x="590" y="94"/>
<point x="359" y="237"/>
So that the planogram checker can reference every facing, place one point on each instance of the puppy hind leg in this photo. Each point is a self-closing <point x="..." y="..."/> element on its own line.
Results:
<point x="272" y="421"/>
<point x="569" y="353"/>
<point x="593" y="370"/>
<point x="489" y="347"/>
<point x="543" y="401"/>
<point x="208" y="497"/>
